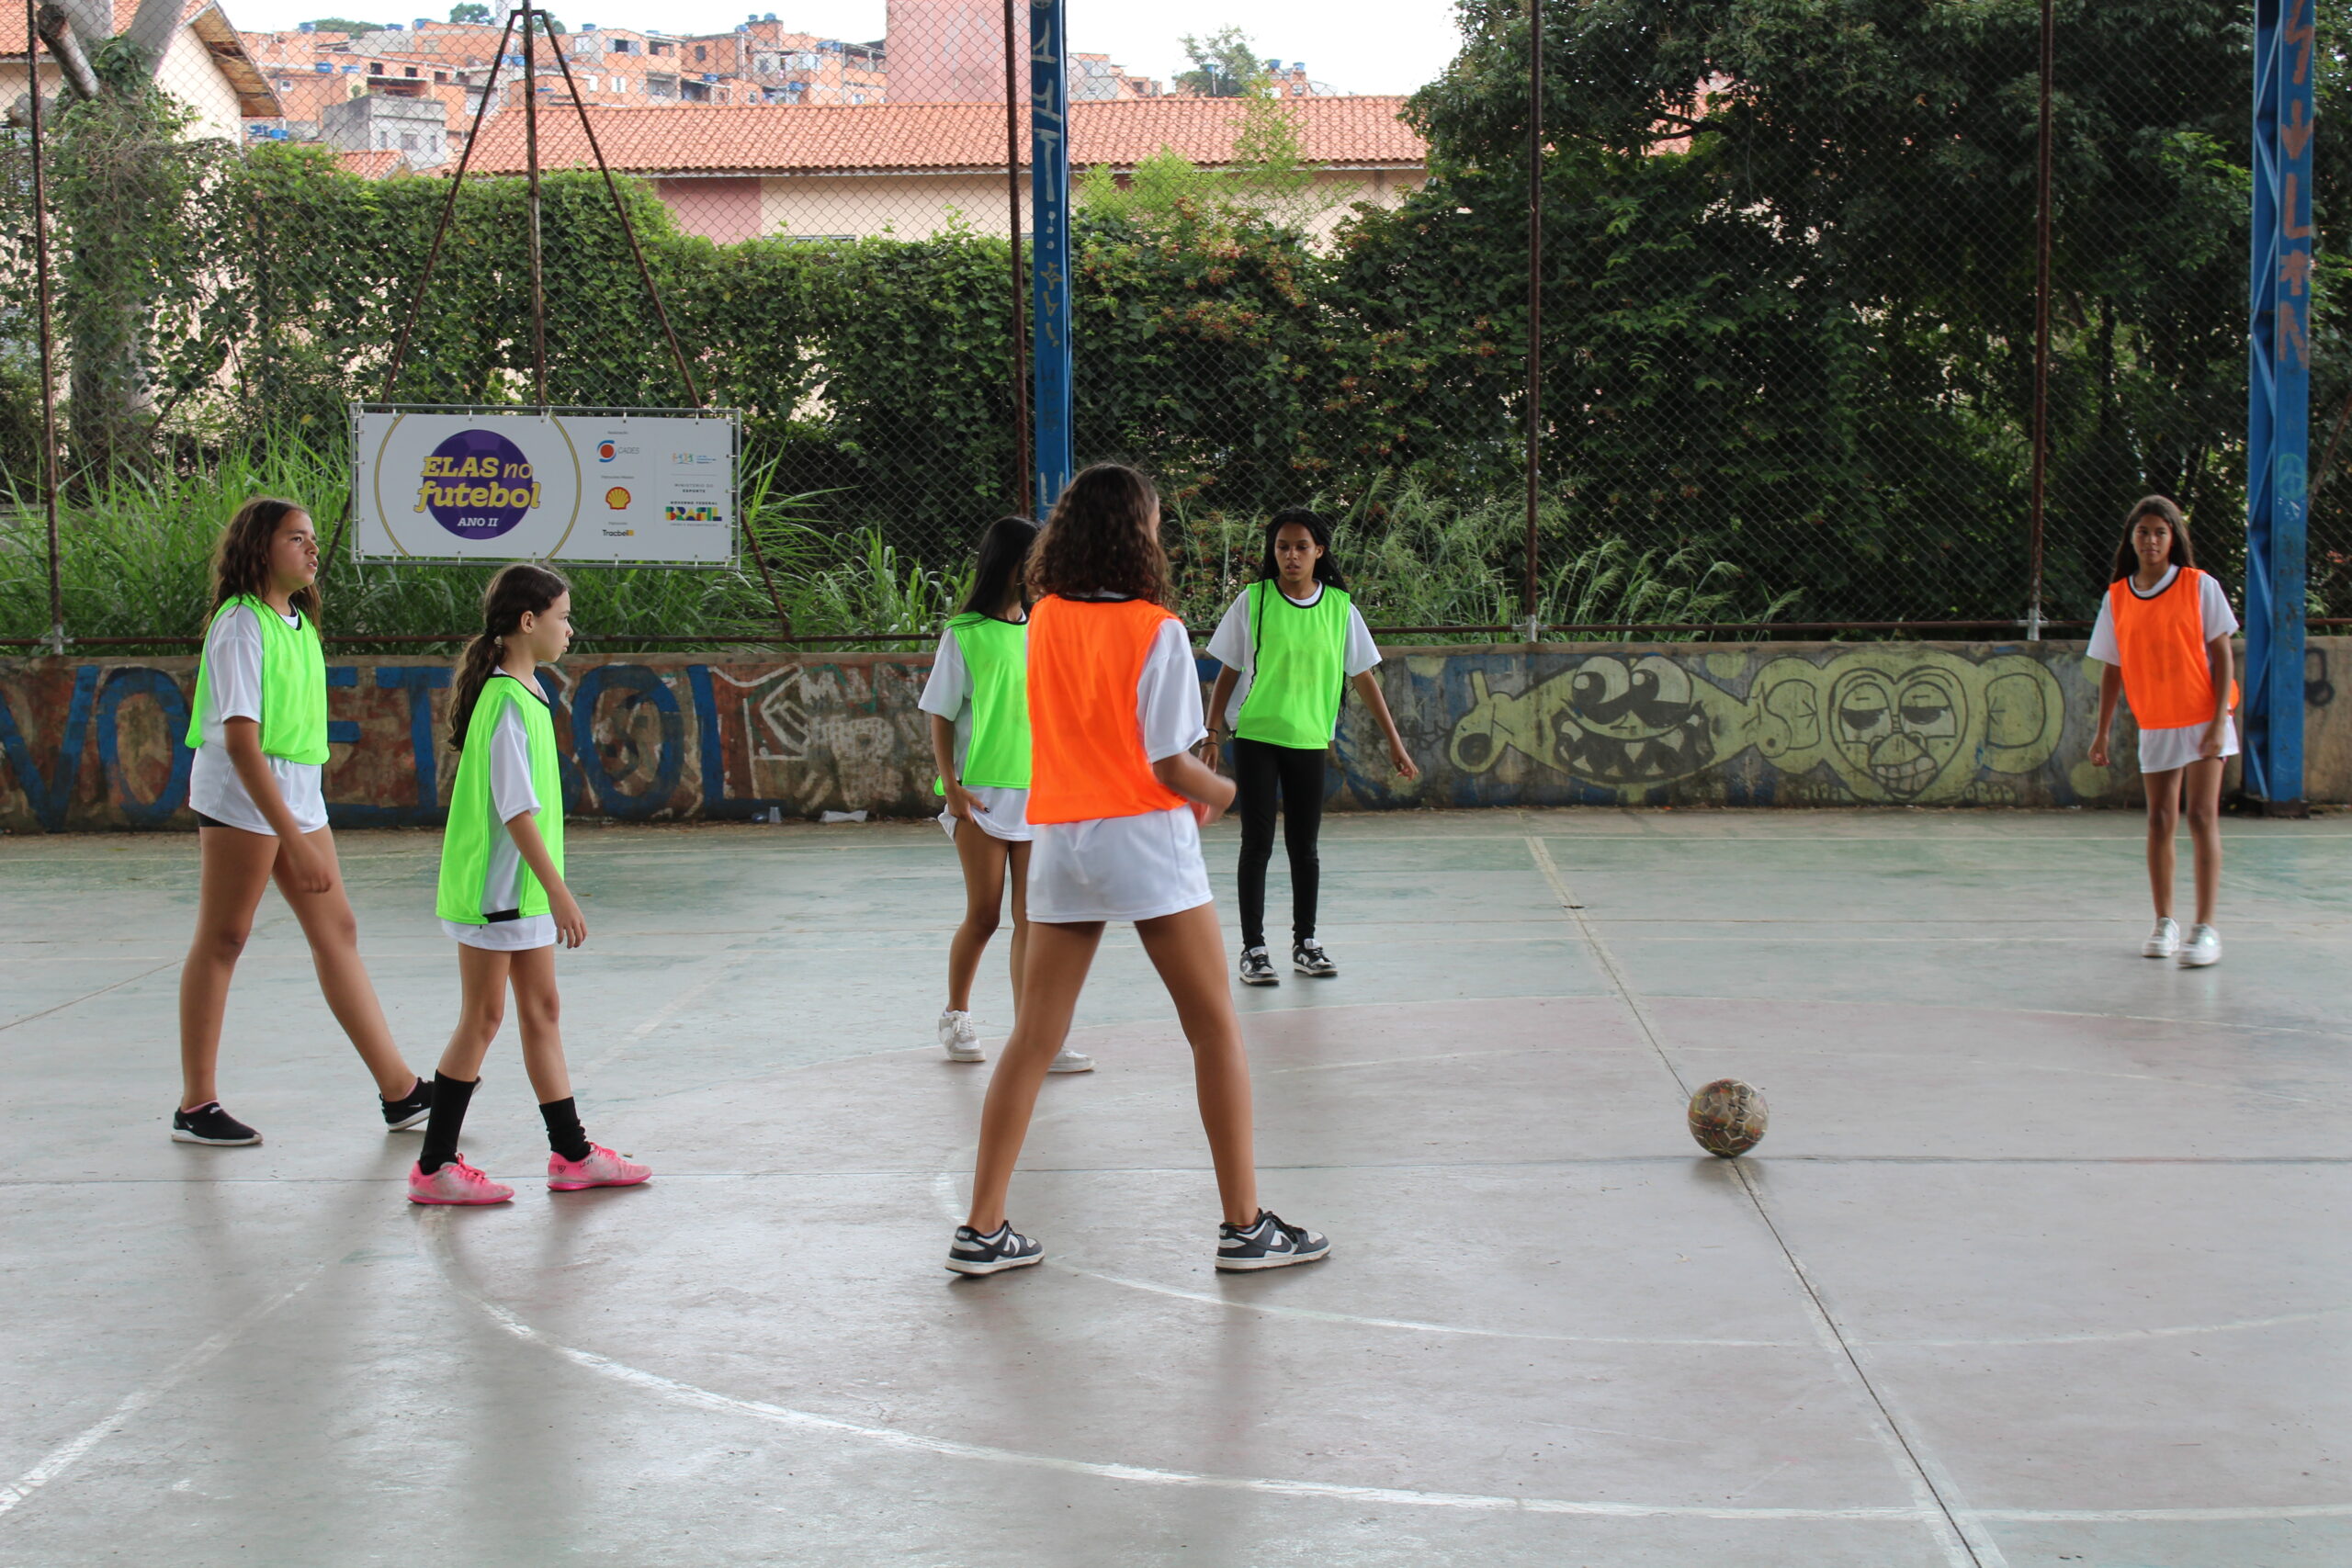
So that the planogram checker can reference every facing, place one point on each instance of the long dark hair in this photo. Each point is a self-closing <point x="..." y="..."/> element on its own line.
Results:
<point x="241" y="559"/>
<point x="1096" y="540"/>
<point x="518" y="590"/>
<point x="1327" y="565"/>
<point x="1004" y="552"/>
<point x="2127" y="559"/>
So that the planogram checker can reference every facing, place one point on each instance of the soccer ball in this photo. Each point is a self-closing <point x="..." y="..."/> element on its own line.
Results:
<point x="1727" y="1117"/>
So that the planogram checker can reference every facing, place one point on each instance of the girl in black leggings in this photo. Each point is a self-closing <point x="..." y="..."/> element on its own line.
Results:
<point x="1291" y="645"/>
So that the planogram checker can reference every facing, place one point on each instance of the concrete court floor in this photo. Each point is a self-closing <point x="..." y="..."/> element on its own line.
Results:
<point x="2043" y="1262"/>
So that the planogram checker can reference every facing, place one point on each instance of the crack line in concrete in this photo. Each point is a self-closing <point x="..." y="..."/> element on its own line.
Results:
<point x="1927" y="1477"/>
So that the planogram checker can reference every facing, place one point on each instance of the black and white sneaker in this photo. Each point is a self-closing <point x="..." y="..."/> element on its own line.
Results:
<point x="410" y="1109"/>
<point x="207" y="1123"/>
<point x="1257" y="969"/>
<point x="1306" y="956"/>
<point x="1266" y="1243"/>
<point x="1002" y="1249"/>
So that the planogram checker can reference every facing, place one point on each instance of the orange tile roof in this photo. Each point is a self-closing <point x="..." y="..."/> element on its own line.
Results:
<point x="371" y="165"/>
<point x="783" y="139"/>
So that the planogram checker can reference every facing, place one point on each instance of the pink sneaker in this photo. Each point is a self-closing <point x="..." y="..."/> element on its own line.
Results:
<point x="601" y="1169"/>
<point x="456" y="1182"/>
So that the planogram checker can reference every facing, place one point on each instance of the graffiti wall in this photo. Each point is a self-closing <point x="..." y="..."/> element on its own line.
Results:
<point x="96" y="744"/>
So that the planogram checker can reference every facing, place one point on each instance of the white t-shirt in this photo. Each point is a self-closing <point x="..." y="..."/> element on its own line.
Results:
<point x="1232" y="648"/>
<point x="948" y="694"/>
<point x="511" y="794"/>
<point x="1132" y="868"/>
<point x="233" y="690"/>
<point x="2161" y="750"/>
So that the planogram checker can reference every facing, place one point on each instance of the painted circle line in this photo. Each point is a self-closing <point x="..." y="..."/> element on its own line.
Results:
<point x="432" y="1239"/>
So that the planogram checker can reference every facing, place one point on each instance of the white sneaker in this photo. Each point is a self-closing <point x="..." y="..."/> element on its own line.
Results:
<point x="960" y="1037"/>
<point x="2204" y="947"/>
<point x="1071" y="1061"/>
<point x="2163" y="942"/>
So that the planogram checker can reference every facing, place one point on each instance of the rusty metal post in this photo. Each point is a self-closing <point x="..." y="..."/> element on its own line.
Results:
<point x="531" y="170"/>
<point x="1022" y="468"/>
<point x="1535" y="302"/>
<point x="48" y="365"/>
<point x="2043" y="182"/>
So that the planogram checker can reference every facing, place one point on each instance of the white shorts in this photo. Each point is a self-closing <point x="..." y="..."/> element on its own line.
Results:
<point x="2161" y="750"/>
<point x="214" y="790"/>
<point x="1005" y="815"/>
<point x="1117" y="868"/>
<point x="503" y="936"/>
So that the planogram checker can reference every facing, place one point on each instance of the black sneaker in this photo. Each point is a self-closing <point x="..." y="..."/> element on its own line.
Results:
<point x="1002" y="1249"/>
<point x="410" y="1110"/>
<point x="207" y="1123"/>
<point x="1306" y="956"/>
<point x="1266" y="1243"/>
<point x="1257" y="969"/>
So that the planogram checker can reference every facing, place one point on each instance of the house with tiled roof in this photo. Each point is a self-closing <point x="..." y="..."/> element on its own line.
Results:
<point x="204" y="64"/>
<point x="910" y="169"/>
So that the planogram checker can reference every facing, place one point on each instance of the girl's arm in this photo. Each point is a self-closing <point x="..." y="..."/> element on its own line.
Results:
<point x="943" y="755"/>
<point x="304" y="861"/>
<point x="1221" y="693"/>
<point x="571" y="925"/>
<point x="1367" y="686"/>
<point x="2221" y="658"/>
<point x="1209" y="791"/>
<point x="2110" y="688"/>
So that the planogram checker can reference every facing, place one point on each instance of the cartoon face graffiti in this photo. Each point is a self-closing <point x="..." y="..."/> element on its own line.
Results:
<point x="1608" y="719"/>
<point x="1629" y="722"/>
<point x="1904" y="727"/>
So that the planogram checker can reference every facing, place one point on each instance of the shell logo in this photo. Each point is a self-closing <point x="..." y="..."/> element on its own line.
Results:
<point x="617" y="499"/>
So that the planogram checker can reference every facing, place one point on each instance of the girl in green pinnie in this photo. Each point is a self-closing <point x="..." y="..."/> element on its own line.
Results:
<point x="978" y="701"/>
<point x="502" y="898"/>
<point x="259" y="733"/>
<point x="1291" y="645"/>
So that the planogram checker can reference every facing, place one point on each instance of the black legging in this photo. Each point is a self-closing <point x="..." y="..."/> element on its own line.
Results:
<point x="1259" y="769"/>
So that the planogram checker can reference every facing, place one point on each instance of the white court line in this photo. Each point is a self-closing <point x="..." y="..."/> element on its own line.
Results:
<point x="67" y="1454"/>
<point x="718" y="970"/>
<point x="433" y="1232"/>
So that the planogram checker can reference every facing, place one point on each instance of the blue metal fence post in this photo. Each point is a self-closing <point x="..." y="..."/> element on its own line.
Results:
<point x="2277" y="420"/>
<point x="1049" y="250"/>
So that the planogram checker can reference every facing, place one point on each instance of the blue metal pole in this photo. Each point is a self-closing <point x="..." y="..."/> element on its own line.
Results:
<point x="2278" y="422"/>
<point x="1049" y="250"/>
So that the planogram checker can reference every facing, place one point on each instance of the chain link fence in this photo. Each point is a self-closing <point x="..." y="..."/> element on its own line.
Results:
<point x="1787" y="295"/>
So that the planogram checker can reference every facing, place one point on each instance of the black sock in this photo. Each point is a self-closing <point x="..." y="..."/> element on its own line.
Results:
<point x="450" y="1097"/>
<point x="564" y="1136"/>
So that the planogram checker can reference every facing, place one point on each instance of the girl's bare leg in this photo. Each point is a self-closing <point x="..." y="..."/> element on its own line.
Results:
<point x="2201" y="804"/>
<point x="1018" y="859"/>
<point x="982" y="855"/>
<point x="1058" y="957"/>
<point x="1188" y="949"/>
<point x="236" y="867"/>
<point x="481" y="1008"/>
<point x="540" y="1013"/>
<point x="2164" y="820"/>
<point x="333" y="932"/>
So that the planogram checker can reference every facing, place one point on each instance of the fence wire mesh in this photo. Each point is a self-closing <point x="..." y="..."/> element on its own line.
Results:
<point x="1787" y="298"/>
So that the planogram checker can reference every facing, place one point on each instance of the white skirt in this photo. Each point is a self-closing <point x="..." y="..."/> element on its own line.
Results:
<point x="503" y="936"/>
<point x="1005" y="813"/>
<point x="2161" y="750"/>
<point x="1117" y="868"/>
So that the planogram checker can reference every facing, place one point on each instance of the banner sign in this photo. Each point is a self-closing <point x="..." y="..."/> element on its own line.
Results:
<point x="578" y="485"/>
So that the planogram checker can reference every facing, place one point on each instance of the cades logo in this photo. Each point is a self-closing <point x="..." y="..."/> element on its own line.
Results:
<point x="606" y="452"/>
<point x="476" y="484"/>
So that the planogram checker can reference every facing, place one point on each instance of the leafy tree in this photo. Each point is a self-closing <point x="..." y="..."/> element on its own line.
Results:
<point x="473" y="13"/>
<point x="344" y="25"/>
<point x="1224" y="66"/>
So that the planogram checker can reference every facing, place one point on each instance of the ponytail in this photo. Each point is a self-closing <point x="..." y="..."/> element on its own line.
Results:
<point x="517" y="591"/>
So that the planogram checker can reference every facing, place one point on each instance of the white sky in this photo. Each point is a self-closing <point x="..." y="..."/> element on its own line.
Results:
<point x="1357" y="46"/>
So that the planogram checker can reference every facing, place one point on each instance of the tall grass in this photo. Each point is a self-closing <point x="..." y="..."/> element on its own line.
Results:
<point x="136" y="563"/>
<point x="137" y="552"/>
